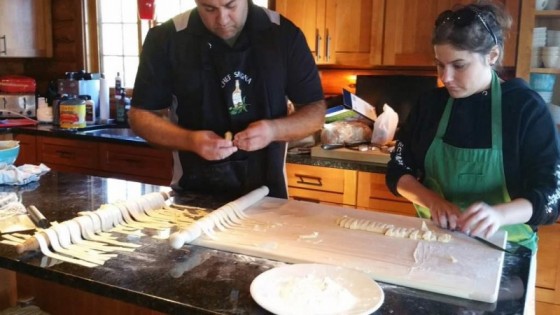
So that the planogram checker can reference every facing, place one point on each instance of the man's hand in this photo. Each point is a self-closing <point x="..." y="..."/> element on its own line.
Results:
<point x="211" y="146"/>
<point x="256" y="136"/>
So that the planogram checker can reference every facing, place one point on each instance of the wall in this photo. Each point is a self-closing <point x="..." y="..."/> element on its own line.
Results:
<point x="67" y="48"/>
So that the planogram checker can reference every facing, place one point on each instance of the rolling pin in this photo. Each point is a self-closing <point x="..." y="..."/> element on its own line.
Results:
<point x="37" y="217"/>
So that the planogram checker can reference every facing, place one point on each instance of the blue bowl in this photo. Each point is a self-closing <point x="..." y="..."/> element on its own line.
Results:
<point x="542" y="82"/>
<point x="9" y="155"/>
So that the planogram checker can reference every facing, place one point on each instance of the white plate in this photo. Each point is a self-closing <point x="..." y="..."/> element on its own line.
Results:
<point x="316" y="289"/>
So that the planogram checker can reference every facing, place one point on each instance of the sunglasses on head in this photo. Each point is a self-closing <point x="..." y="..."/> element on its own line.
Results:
<point x="464" y="17"/>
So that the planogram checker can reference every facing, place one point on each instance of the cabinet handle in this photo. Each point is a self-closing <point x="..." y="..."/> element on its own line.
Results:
<point x="65" y="154"/>
<point x="304" y="179"/>
<point x="327" y="46"/>
<point x="318" y="44"/>
<point x="5" y="51"/>
<point x="307" y="199"/>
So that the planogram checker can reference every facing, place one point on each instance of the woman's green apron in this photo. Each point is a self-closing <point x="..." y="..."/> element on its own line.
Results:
<point x="464" y="176"/>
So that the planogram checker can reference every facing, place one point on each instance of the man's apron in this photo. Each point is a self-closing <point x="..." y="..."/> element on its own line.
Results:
<point x="464" y="176"/>
<point x="224" y="69"/>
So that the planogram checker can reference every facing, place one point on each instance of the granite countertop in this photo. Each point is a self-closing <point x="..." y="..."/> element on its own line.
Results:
<point x="198" y="280"/>
<point x="306" y="159"/>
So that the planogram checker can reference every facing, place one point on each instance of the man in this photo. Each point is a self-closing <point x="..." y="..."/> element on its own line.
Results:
<point x="226" y="66"/>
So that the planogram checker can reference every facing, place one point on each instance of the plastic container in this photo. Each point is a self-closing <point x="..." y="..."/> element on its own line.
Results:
<point x="44" y="112"/>
<point x="72" y="113"/>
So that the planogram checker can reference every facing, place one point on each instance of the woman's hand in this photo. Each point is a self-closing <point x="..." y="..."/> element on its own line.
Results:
<point x="444" y="213"/>
<point x="481" y="219"/>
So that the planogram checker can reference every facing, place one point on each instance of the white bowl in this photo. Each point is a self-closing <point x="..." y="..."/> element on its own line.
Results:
<point x="550" y="61"/>
<point x="541" y="4"/>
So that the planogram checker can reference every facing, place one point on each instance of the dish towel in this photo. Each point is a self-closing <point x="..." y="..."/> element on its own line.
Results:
<point x="21" y="175"/>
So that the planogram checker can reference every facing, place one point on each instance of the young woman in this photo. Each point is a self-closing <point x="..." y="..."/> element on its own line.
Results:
<point x="480" y="154"/>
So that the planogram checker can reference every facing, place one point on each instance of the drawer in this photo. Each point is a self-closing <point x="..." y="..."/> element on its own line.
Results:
<point x="321" y="184"/>
<point x="141" y="161"/>
<point x="373" y="194"/>
<point x="67" y="152"/>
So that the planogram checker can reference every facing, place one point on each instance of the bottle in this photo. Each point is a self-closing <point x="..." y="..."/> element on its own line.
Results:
<point x="118" y="86"/>
<point x="121" y="108"/>
<point x="236" y="96"/>
<point x="90" y="117"/>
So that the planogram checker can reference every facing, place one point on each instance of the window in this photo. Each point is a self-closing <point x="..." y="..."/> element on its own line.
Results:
<point x="121" y="33"/>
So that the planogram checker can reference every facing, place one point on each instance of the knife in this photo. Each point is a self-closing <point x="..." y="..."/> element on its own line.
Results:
<point x="488" y="243"/>
<point x="485" y="242"/>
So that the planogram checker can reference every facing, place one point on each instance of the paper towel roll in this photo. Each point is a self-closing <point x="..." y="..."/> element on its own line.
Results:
<point x="103" y="100"/>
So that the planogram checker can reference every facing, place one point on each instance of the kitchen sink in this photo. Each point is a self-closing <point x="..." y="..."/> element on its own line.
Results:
<point x="112" y="132"/>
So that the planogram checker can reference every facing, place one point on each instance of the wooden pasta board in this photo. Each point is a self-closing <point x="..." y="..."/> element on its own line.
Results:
<point x="303" y="232"/>
<point x="373" y="156"/>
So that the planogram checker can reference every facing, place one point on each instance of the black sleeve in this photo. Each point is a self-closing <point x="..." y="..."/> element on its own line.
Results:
<point x="414" y="139"/>
<point x="539" y="153"/>
<point x="153" y="86"/>
<point x="303" y="81"/>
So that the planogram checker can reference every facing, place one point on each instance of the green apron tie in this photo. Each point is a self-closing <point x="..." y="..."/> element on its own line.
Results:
<point x="464" y="176"/>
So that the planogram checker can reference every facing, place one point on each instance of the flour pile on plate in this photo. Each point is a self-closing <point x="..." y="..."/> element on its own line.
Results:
<point x="313" y="294"/>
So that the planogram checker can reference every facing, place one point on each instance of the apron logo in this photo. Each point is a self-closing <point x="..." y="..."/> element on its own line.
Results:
<point x="238" y="100"/>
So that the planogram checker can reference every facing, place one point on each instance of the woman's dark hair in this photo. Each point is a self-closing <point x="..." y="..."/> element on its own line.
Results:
<point x="476" y="27"/>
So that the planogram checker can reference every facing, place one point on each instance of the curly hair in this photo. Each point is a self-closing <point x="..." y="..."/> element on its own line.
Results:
<point x="488" y="27"/>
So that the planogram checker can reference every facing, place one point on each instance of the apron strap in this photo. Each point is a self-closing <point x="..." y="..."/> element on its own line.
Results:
<point x="496" y="105"/>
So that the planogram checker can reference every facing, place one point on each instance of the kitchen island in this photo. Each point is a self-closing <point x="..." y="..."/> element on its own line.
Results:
<point x="198" y="280"/>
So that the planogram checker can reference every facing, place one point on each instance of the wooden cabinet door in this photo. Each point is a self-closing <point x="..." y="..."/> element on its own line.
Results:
<point x="309" y="16"/>
<point x="27" y="149"/>
<point x="373" y="194"/>
<point x="25" y="28"/>
<point x="409" y="25"/>
<point x="354" y="32"/>
<point x="341" y="32"/>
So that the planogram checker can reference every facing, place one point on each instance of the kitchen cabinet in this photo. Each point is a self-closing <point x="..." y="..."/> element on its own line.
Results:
<point x="137" y="162"/>
<point x="25" y="28"/>
<point x="373" y="194"/>
<point x="378" y="32"/>
<point x="548" y="270"/>
<point x="27" y="149"/>
<point x="339" y="32"/>
<point x="321" y="184"/>
<point x="145" y="164"/>
<point x="409" y="25"/>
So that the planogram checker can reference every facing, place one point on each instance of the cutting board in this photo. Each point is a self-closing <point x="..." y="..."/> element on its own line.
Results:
<point x="373" y="156"/>
<point x="303" y="232"/>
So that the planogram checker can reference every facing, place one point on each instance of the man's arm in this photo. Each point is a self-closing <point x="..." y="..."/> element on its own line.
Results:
<point x="303" y="122"/>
